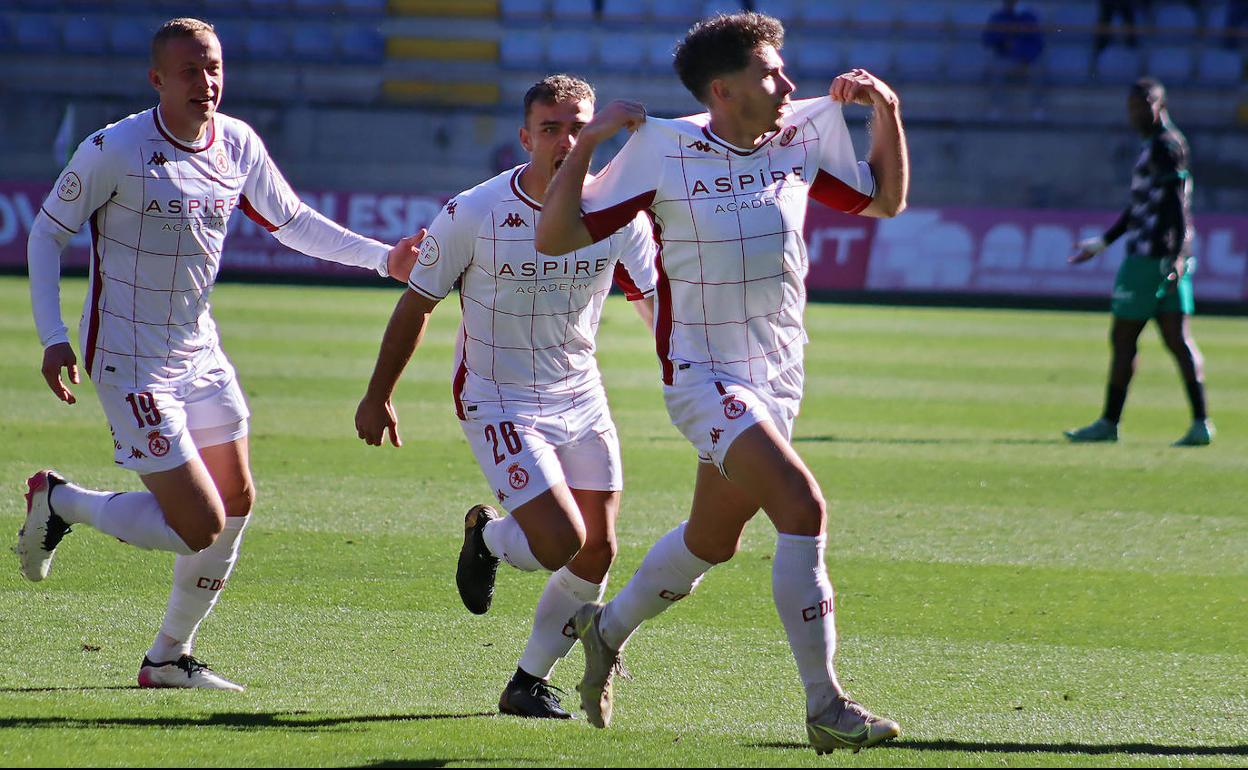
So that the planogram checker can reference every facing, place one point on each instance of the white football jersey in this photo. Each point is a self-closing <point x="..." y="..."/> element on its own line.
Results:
<point x="158" y="210"/>
<point x="732" y="263"/>
<point x="526" y="342"/>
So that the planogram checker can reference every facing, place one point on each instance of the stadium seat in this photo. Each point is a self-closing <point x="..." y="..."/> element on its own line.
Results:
<point x="313" y="42"/>
<point x="36" y="34"/>
<point x="1175" y="23"/>
<point x="820" y="13"/>
<point x="576" y="11"/>
<point x="233" y="36"/>
<point x="569" y="52"/>
<point x="1117" y="64"/>
<point x="784" y="10"/>
<point x="272" y="8"/>
<point x="266" y="41"/>
<point x="967" y="62"/>
<point x="1218" y="66"/>
<point x="629" y="11"/>
<point x="873" y="18"/>
<point x="623" y="53"/>
<point x="967" y="19"/>
<point x="522" y="10"/>
<point x="924" y="20"/>
<point x="362" y="44"/>
<point x="919" y="60"/>
<point x="364" y="7"/>
<point x="84" y="35"/>
<point x="716" y="7"/>
<point x="873" y="55"/>
<point x="6" y="34"/>
<point x="819" y="57"/>
<point x="519" y="50"/>
<point x="310" y="9"/>
<point x="659" y="52"/>
<point x="1068" y="64"/>
<point x="680" y="12"/>
<point x="1071" y="22"/>
<point x="1170" y="64"/>
<point x="127" y="38"/>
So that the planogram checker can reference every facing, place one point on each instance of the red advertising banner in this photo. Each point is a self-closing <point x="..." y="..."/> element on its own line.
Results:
<point x="967" y="251"/>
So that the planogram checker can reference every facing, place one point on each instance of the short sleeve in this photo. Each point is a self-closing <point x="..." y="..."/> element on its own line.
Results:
<point x="626" y="186"/>
<point x="267" y="197"/>
<point x="635" y="249"/>
<point x="447" y="249"/>
<point x="842" y="182"/>
<point x="87" y="183"/>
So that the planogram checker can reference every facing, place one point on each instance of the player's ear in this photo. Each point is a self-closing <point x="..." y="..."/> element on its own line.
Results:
<point x="720" y="90"/>
<point x="525" y="140"/>
<point x="153" y="77"/>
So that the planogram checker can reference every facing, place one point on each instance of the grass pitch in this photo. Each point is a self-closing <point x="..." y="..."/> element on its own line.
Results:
<point x="1009" y="599"/>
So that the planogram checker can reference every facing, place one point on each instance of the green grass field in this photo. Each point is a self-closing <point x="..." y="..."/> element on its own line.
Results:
<point x="1010" y="599"/>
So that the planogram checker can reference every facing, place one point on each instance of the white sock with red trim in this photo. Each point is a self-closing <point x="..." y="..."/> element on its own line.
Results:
<point x="668" y="574"/>
<point x="507" y="541"/>
<point x="198" y="580"/>
<point x="553" y="633"/>
<point x="805" y="600"/>
<point x="131" y="517"/>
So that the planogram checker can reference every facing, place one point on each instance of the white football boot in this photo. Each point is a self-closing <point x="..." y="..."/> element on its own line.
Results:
<point x="845" y="724"/>
<point x="185" y="672"/>
<point x="43" y="530"/>
<point x="602" y="662"/>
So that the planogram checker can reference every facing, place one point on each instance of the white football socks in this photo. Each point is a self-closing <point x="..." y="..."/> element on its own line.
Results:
<point x="804" y="599"/>
<point x="132" y="517"/>
<point x="507" y="541"/>
<point x="668" y="574"/>
<point x="553" y="633"/>
<point x="197" y="583"/>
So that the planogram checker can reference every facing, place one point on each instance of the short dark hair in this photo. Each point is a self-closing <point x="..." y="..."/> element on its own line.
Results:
<point x="1150" y="90"/>
<point x="723" y="44"/>
<point x="554" y="89"/>
<point x="174" y="28"/>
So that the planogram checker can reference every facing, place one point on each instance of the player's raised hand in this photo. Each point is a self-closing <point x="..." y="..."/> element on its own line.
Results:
<point x="610" y="119"/>
<point x="57" y="357"/>
<point x="374" y="420"/>
<point x="1088" y="249"/>
<point x="861" y="87"/>
<point x="402" y="258"/>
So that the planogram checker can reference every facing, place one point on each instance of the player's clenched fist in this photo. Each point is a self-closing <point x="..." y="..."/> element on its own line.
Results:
<point x="616" y="115"/>
<point x="861" y="87"/>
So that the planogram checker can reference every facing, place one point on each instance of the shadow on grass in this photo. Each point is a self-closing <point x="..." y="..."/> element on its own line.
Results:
<point x="919" y="441"/>
<point x="1008" y="747"/>
<point x="281" y="720"/>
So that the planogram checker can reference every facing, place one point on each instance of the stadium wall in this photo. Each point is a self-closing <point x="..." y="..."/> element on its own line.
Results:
<point x="928" y="254"/>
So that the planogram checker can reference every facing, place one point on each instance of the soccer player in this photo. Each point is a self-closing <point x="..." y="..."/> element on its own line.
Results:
<point x="1155" y="278"/>
<point x="158" y="188"/>
<point x="728" y="192"/>
<point x="526" y="386"/>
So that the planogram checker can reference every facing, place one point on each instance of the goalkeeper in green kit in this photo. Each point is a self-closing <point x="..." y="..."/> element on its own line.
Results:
<point x="1154" y="280"/>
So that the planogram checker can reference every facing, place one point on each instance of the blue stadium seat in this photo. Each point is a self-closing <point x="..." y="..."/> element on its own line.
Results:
<point x="659" y="51"/>
<point x="1176" y="23"/>
<point x="676" y="11"/>
<point x="622" y="52"/>
<point x="36" y="34"/>
<point x="918" y="60"/>
<point x="364" y="7"/>
<point x="1068" y="63"/>
<point x="1171" y="63"/>
<point x="310" y="9"/>
<point x="614" y="11"/>
<point x="1071" y="22"/>
<point x="273" y="8"/>
<point x="314" y="43"/>
<point x="266" y="41"/>
<point x="127" y="37"/>
<point x="967" y="62"/>
<point x="817" y="57"/>
<point x="571" y="53"/>
<point x="522" y="10"/>
<point x="1118" y="64"/>
<point x="967" y="19"/>
<point x="925" y="20"/>
<point x="363" y="44"/>
<point x="875" y="56"/>
<point x="716" y="7"/>
<point x="819" y="13"/>
<point x="785" y="10"/>
<point x="519" y="50"/>
<point x="85" y="35"/>
<point x="572" y="10"/>
<point x="6" y="34"/>
<point x="873" y="18"/>
<point x="1218" y="66"/>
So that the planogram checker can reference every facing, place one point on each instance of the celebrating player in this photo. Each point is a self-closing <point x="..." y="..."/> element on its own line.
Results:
<point x="158" y="189"/>
<point x="526" y="385"/>
<point x="728" y="192"/>
<point x="1155" y="278"/>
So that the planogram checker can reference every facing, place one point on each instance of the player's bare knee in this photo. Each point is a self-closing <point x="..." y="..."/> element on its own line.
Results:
<point x="240" y="503"/>
<point x="597" y="555"/>
<point x="559" y="547"/>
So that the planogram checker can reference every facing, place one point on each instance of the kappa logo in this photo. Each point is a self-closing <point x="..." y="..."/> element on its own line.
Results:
<point x="450" y="207"/>
<point x="70" y="187"/>
<point x="788" y="135"/>
<point x="157" y="444"/>
<point x="500" y="494"/>
<point x="514" y="220"/>
<point x="158" y="159"/>
<point x="98" y="141"/>
<point x="137" y="454"/>
<point x="700" y="146"/>
<point x="715" y="434"/>
<point x="733" y="407"/>
<point x="516" y="476"/>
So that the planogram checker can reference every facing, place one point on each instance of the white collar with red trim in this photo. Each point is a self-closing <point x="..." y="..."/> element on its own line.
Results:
<point x="197" y="146"/>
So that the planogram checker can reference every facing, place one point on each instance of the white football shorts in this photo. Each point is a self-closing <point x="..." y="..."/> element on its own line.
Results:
<point x="711" y="410"/>
<point x="162" y="428"/>
<point x="522" y="455"/>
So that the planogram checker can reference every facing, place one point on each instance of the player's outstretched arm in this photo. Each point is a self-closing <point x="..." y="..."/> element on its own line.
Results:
<point x="561" y="229"/>
<point x="375" y="416"/>
<point x="889" y="158"/>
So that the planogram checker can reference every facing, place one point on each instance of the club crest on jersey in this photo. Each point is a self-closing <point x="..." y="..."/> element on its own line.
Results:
<point x="429" y="253"/>
<point x="70" y="187"/>
<point x="516" y="476"/>
<point x="733" y="407"/>
<point x="221" y="162"/>
<point x="788" y="135"/>
<point x="157" y="444"/>
<point x="514" y="220"/>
